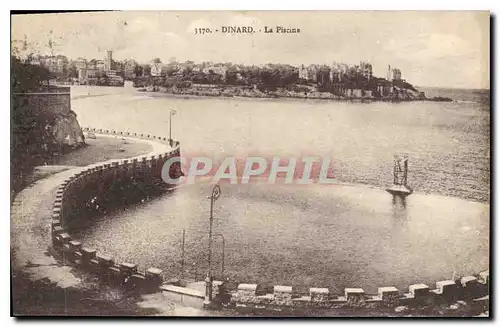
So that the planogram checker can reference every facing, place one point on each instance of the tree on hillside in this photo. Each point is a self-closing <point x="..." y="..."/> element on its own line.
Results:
<point x="72" y="71"/>
<point x="138" y="70"/>
<point x="146" y="70"/>
<point x="26" y="77"/>
<point x="28" y="124"/>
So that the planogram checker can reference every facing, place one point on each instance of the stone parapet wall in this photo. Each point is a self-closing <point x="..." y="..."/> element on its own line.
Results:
<point x="143" y="136"/>
<point x="56" y="100"/>
<point x="73" y="195"/>
<point x="467" y="288"/>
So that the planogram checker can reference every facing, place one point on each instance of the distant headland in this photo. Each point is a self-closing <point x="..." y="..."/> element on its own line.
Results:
<point x="338" y="81"/>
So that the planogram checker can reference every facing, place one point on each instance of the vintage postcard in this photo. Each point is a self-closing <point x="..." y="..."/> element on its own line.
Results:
<point x="251" y="163"/>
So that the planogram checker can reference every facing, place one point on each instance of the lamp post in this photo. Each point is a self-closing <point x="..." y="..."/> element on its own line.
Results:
<point x="172" y="113"/>
<point x="223" y="252"/>
<point x="208" y="281"/>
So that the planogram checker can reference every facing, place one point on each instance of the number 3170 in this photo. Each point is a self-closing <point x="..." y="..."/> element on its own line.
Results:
<point x="202" y="31"/>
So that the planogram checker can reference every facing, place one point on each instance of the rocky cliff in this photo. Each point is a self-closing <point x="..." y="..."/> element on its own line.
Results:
<point x="42" y="124"/>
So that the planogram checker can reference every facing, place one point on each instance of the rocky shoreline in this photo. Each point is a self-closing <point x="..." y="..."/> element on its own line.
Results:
<point x="252" y="92"/>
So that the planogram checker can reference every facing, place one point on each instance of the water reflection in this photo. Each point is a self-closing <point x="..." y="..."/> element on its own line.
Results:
<point x="272" y="237"/>
<point x="399" y="212"/>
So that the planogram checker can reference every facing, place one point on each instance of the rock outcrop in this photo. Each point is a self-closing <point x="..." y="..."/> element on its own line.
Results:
<point x="67" y="131"/>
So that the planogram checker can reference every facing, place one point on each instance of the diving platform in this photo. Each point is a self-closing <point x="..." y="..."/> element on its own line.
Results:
<point x="400" y="184"/>
<point x="399" y="190"/>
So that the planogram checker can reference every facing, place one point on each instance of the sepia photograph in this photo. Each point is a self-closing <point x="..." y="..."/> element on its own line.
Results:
<point x="250" y="164"/>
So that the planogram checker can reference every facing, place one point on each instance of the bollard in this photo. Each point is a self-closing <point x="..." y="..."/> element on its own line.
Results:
<point x="447" y="289"/>
<point x="136" y="281"/>
<point x="65" y="238"/>
<point x="319" y="295"/>
<point x="389" y="296"/>
<point x="484" y="277"/>
<point x="420" y="292"/>
<point x="60" y="240"/>
<point x="87" y="255"/>
<point x="127" y="269"/>
<point x="154" y="277"/>
<point x="470" y="287"/>
<point x="55" y="223"/>
<point x="115" y="276"/>
<point x="354" y="296"/>
<point x="246" y="293"/>
<point x="56" y="231"/>
<point x="283" y="295"/>
<point x="75" y="246"/>
<point x="104" y="262"/>
<point x="93" y="265"/>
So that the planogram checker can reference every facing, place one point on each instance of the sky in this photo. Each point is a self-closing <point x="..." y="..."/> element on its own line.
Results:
<point x="444" y="49"/>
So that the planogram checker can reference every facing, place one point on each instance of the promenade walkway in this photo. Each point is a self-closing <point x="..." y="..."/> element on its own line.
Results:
<point x="31" y="252"/>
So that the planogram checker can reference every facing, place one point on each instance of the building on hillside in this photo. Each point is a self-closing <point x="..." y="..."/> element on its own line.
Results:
<point x="129" y="68"/>
<point x="216" y="69"/>
<point x="114" y="78"/>
<point x="338" y="70"/>
<point x="323" y="76"/>
<point x="357" y="93"/>
<point x="98" y="77"/>
<point x="385" y="88"/>
<point x="366" y="69"/>
<point x="396" y="74"/>
<point x="313" y="73"/>
<point x="393" y="74"/>
<point x="84" y="74"/>
<point x="100" y="65"/>
<point x="157" y="69"/>
<point x="108" y="61"/>
<point x="55" y="64"/>
<point x="81" y="63"/>
<point x="335" y="73"/>
<point x="309" y="73"/>
<point x="92" y="64"/>
<point x="303" y="72"/>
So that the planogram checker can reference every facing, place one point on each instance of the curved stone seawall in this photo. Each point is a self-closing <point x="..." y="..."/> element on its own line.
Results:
<point x="80" y="191"/>
<point x="79" y="194"/>
<point x="469" y="288"/>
